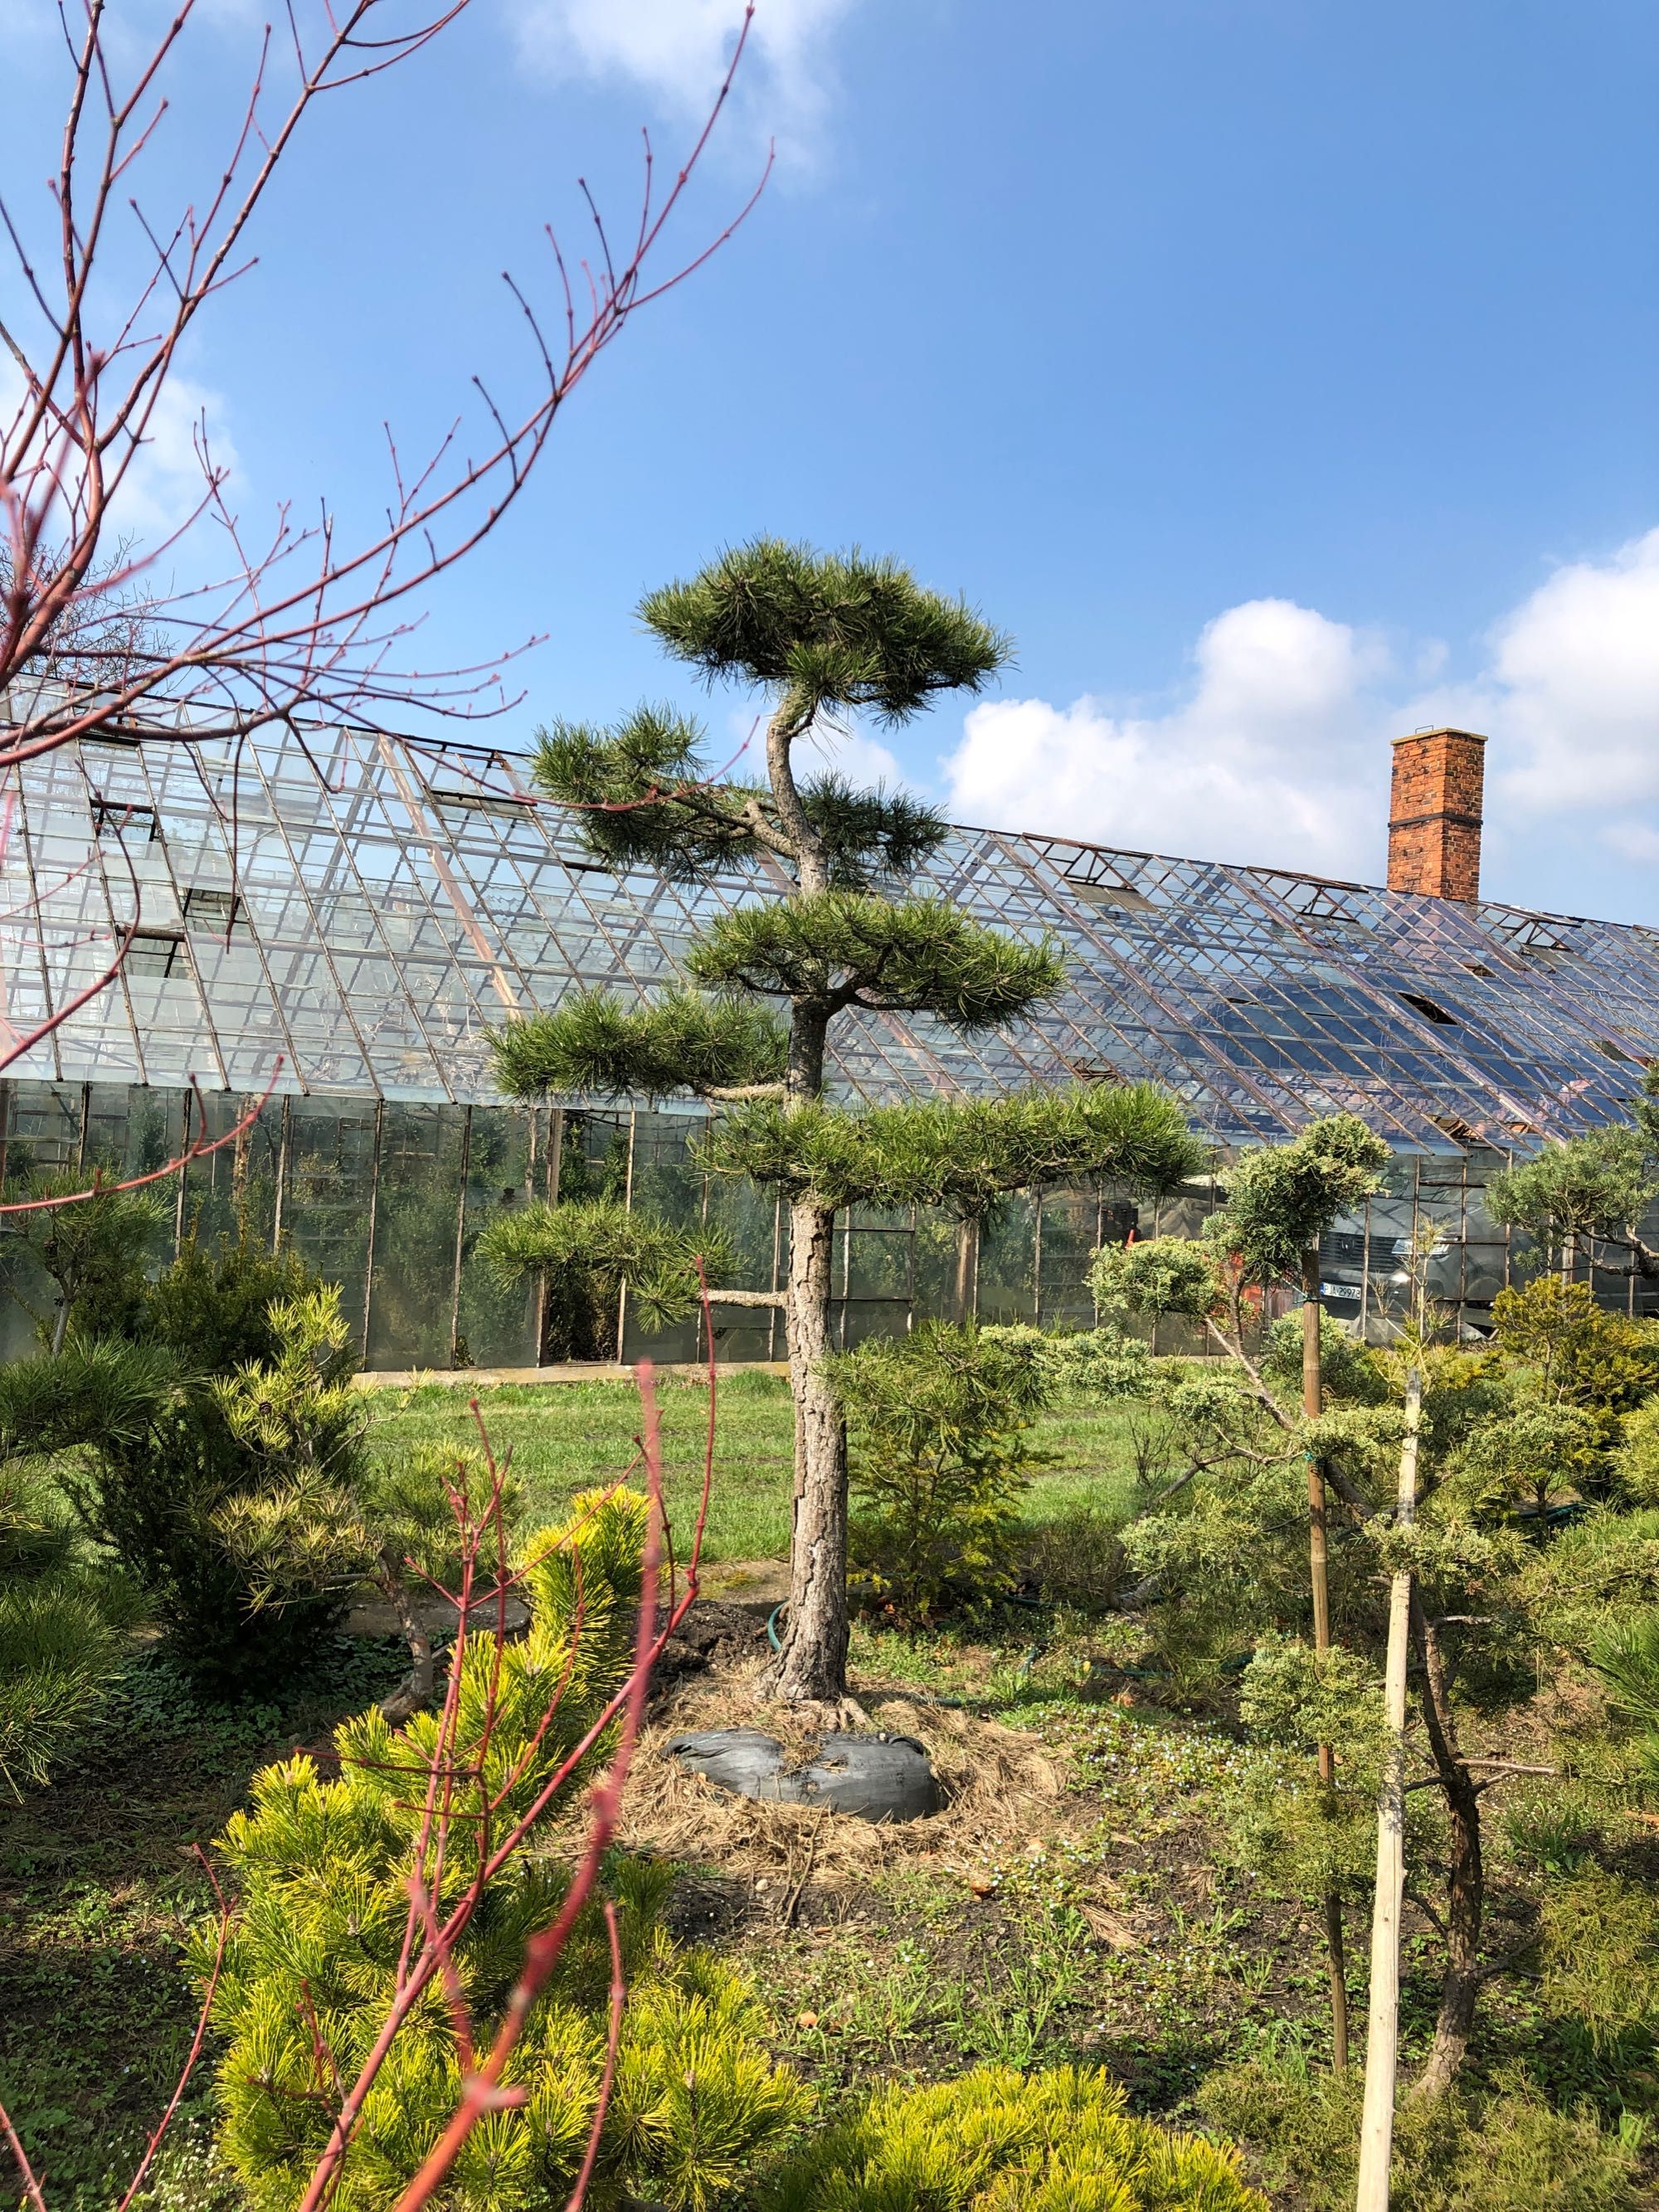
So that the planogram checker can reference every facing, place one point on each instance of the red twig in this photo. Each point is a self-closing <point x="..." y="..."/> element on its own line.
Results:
<point x="197" y="1150"/>
<point x="31" y="2186"/>
<point x="482" y="2092"/>
<point x="612" y="2044"/>
<point x="165" y="2121"/>
<point x="291" y="618"/>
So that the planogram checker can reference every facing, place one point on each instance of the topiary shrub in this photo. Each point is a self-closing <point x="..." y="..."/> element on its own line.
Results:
<point x="996" y="2141"/>
<point x="940" y="1451"/>
<point x="323" y="1870"/>
<point x="582" y="1251"/>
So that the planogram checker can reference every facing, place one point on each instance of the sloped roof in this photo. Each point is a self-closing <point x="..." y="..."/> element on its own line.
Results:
<point x="390" y="900"/>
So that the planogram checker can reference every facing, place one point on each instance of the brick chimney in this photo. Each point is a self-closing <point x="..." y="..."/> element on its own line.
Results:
<point x="1434" y="814"/>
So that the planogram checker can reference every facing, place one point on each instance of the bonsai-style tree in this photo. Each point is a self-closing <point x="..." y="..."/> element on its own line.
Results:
<point x="583" y="1250"/>
<point x="1599" y="1185"/>
<point x="822" y="637"/>
<point x="1280" y="1201"/>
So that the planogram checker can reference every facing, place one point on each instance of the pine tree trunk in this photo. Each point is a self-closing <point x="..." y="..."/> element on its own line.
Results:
<point x="414" y="1693"/>
<point x="1464" y="1878"/>
<point x="811" y="1667"/>
<point x="966" y="1269"/>
<point x="1318" y="1563"/>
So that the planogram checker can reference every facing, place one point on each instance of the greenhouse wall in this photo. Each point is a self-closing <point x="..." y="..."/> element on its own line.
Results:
<point x="388" y="1199"/>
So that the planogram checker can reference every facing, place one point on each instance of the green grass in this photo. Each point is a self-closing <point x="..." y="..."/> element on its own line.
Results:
<point x="565" y="1437"/>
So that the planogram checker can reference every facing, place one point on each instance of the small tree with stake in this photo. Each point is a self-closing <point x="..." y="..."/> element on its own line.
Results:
<point x="1280" y="1201"/>
<point x="822" y="636"/>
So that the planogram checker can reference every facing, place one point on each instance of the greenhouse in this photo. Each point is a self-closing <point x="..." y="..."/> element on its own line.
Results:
<point x="333" y="921"/>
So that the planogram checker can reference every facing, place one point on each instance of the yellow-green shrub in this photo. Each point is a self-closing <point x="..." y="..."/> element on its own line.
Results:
<point x="322" y="1869"/>
<point x="996" y="2141"/>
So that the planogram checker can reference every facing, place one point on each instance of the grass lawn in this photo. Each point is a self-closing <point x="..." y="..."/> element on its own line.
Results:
<point x="565" y="1437"/>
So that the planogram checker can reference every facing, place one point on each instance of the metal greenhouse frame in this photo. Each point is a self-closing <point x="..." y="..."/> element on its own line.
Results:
<point x="368" y="907"/>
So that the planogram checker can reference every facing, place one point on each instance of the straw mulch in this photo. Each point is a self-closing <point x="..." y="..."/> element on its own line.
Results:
<point x="1000" y="1790"/>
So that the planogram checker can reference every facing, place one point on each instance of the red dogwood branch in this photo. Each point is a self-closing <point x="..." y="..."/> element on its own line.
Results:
<point x="200" y="2037"/>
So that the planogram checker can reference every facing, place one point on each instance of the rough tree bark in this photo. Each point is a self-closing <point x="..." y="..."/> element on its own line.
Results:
<point x="1318" y="1572"/>
<point x="1466" y="1874"/>
<point x="966" y="1269"/>
<point x="414" y="1693"/>
<point x="811" y="1667"/>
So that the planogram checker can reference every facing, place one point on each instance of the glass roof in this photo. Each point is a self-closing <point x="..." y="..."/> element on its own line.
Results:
<point x="370" y="907"/>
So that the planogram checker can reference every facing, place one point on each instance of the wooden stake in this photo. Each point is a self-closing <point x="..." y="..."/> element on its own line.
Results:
<point x="1383" y="2038"/>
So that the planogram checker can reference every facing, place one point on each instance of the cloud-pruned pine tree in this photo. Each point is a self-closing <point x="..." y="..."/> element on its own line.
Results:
<point x="823" y="637"/>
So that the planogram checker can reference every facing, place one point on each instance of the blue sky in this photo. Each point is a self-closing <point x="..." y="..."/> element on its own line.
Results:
<point x="1279" y="373"/>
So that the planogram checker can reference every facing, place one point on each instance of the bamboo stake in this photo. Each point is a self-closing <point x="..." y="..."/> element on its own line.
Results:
<point x="1383" y="2037"/>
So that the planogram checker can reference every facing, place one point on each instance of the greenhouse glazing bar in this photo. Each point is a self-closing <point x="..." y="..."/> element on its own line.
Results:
<point x="389" y="1200"/>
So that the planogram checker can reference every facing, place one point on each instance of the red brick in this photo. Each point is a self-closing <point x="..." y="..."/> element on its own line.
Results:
<point x="1434" y="813"/>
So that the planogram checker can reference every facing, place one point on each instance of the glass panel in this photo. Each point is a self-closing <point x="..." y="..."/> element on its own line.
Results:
<point x="327" y="1183"/>
<point x="497" y="1325"/>
<point x="418" y="1209"/>
<point x="1008" y="1264"/>
<point x="233" y="1191"/>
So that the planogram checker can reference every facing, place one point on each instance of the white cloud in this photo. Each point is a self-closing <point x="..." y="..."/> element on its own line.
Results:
<point x="165" y="483"/>
<point x="1635" y="840"/>
<point x="1259" y="763"/>
<point x="1569" y="695"/>
<point x="678" y="50"/>
<point x="167" y="480"/>
<point x="862" y="760"/>
<point x="1277" y="753"/>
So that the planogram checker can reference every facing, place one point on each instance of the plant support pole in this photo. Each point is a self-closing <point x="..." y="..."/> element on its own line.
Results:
<point x="1313" y="1404"/>
<point x="1383" y="2038"/>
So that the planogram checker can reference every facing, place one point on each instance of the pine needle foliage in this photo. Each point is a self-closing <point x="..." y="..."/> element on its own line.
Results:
<point x="1283" y="1198"/>
<point x="964" y="1155"/>
<point x="996" y="2141"/>
<point x="322" y="1869"/>
<point x="157" y="1448"/>
<point x="58" y="1656"/>
<point x="397" y="1525"/>
<point x="1159" y="1276"/>
<point x="941" y="1456"/>
<point x="587" y="1247"/>
<point x="1626" y="1653"/>
<point x="1597" y="1185"/>
<point x="60" y="1640"/>
<point x="651" y="794"/>
<point x="838" y="949"/>
<point x="1280" y="1199"/>
<point x="59" y="1649"/>
<point x="299" y="1410"/>
<point x="95" y="1254"/>
<point x="836" y="630"/>
<point x="594" y="1046"/>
